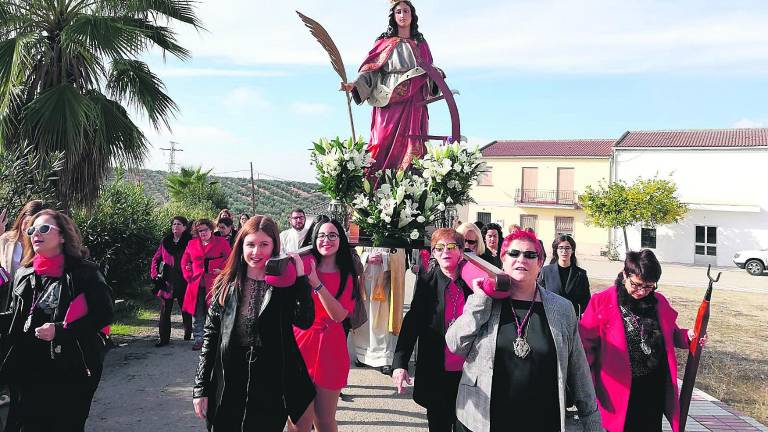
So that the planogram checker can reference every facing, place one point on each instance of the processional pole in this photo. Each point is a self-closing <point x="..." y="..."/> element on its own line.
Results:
<point x="694" y="352"/>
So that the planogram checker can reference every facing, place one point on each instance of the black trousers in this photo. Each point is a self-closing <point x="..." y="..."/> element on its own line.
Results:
<point x="441" y="414"/>
<point x="61" y="407"/>
<point x="252" y="399"/>
<point x="166" y="310"/>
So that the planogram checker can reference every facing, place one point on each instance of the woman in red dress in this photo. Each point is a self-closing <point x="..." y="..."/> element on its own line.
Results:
<point x="334" y="283"/>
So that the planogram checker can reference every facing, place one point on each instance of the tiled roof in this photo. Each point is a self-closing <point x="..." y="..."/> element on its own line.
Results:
<point x="695" y="138"/>
<point x="547" y="148"/>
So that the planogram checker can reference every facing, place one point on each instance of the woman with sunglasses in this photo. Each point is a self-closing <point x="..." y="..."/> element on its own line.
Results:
<point x="251" y="375"/>
<point x="630" y="334"/>
<point x="438" y="299"/>
<point x="522" y="353"/>
<point x="563" y="277"/>
<point x="50" y="345"/>
<point x="473" y="242"/>
<point x="335" y="284"/>
<point x="202" y="261"/>
<point x="166" y="271"/>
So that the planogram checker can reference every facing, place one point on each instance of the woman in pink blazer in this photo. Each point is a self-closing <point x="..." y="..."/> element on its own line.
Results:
<point x="629" y="333"/>
<point x="202" y="261"/>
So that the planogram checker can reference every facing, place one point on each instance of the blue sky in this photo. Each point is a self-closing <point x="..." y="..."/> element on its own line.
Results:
<point x="259" y="88"/>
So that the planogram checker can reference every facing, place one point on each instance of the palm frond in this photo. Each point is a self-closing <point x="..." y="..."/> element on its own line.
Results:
<point x="133" y="82"/>
<point x="113" y="37"/>
<point x="325" y="40"/>
<point x="58" y="119"/>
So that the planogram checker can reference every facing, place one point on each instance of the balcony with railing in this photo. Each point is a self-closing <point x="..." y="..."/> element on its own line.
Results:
<point x="546" y="198"/>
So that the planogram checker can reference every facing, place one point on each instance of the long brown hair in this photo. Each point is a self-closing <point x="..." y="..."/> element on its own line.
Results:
<point x="236" y="270"/>
<point x="73" y="241"/>
<point x="30" y="209"/>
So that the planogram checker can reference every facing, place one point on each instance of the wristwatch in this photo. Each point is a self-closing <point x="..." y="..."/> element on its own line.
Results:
<point x="318" y="288"/>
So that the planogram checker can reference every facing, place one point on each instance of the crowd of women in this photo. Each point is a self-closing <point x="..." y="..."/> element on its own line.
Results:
<point x="274" y="357"/>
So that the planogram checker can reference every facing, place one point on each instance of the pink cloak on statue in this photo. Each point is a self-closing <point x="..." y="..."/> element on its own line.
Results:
<point x="391" y="81"/>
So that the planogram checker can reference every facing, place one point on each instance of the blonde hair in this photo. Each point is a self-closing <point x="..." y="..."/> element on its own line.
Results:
<point x="464" y="228"/>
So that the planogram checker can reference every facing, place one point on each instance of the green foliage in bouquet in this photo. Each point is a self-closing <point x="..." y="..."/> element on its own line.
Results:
<point x="340" y="166"/>
<point x="398" y="211"/>
<point x="451" y="171"/>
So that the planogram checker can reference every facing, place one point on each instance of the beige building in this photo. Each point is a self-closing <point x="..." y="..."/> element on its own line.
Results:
<point x="536" y="184"/>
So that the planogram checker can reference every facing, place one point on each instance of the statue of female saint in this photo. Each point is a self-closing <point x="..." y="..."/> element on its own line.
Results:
<point x="393" y="83"/>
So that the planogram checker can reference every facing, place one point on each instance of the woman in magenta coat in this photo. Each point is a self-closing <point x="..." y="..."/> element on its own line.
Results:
<point x="203" y="260"/>
<point x="629" y="333"/>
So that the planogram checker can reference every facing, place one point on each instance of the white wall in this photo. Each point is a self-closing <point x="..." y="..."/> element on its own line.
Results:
<point x="715" y="177"/>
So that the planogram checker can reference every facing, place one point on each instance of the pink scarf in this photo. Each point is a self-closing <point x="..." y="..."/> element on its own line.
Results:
<point x="51" y="267"/>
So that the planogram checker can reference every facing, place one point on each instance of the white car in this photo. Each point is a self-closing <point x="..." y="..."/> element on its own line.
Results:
<point x="754" y="261"/>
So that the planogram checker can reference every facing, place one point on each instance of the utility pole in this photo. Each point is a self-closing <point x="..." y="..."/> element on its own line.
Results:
<point x="253" y="193"/>
<point x="172" y="155"/>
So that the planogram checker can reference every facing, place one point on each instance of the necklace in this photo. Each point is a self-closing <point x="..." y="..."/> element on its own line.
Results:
<point x="632" y="320"/>
<point x="521" y="347"/>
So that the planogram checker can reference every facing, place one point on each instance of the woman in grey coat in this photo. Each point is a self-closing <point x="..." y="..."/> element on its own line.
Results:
<point x="521" y="353"/>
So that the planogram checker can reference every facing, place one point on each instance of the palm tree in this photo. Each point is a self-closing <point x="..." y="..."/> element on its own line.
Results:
<point x="181" y="184"/>
<point x="69" y="69"/>
<point x="193" y="185"/>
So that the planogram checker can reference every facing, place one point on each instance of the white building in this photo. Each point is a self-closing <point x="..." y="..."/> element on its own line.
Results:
<point x="722" y="174"/>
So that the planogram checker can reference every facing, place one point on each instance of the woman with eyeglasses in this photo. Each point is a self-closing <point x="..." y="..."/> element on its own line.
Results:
<point x="473" y="242"/>
<point x="50" y="342"/>
<point x="438" y="300"/>
<point x="630" y="334"/>
<point x="251" y="375"/>
<point x="522" y="353"/>
<point x="334" y="281"/>
<point x="166" y="270"/>
<point x="201" y="263"/>
<point x="563" y="277"/>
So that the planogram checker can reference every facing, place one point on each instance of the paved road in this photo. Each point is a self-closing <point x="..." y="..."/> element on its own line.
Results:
<point x="149" y="389"/>
<point x="732" y="279"/>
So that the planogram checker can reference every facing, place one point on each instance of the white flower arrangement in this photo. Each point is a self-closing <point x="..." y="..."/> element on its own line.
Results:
<point x="398" y="210"/>
<point x="451" y="171"/>
<point x="340" y="166"/>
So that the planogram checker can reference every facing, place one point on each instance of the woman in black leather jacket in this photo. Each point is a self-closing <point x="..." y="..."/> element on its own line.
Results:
<point x="51" y="348"/>
<point x="251" y="375"/>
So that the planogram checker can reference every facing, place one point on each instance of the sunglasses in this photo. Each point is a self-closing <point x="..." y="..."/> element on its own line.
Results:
<point x="43" y="229"/>
<point x="329" y="237"/>
<point x="514" y="253"/>
<point x="441" y="247"/>
<point x="470" y="242"/>
<point x="564" y="249"/>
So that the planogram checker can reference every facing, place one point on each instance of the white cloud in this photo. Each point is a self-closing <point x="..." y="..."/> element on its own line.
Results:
<point x="216" y="72"/>
<point x="746" y="123"/>
<point x="310" y="108"/>
<point x="590" y="36"/>
<point x="246" y="97"/>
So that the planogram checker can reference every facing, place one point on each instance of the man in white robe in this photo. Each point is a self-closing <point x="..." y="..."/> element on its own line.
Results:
<point x="291" y="239"/>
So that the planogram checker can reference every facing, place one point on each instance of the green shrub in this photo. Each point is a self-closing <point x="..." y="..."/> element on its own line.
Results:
<point x="122" y="232"/>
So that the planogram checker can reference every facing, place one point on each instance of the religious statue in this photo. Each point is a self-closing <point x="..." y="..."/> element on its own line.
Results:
<point x="393" y="81"/>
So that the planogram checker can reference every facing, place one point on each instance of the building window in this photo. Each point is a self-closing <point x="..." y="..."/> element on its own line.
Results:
<point x="528" y="221"/>
<point x="706" y="240"/>
<point x="484" y="217"/>
<point x="486" y="177"/>
<point x="648" y="238"/>
<point x="564" y="225"/>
